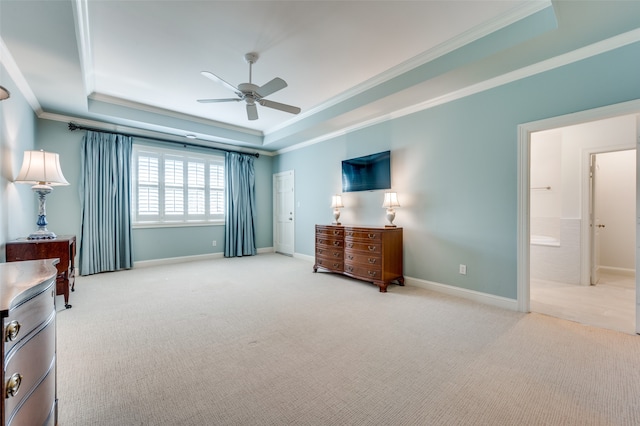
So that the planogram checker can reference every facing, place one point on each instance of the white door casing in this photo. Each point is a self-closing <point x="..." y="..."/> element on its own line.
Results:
<point x="637" y="224"/>
<point x="283" y="212"/>
<point x="523" y="207"/>
<point x="594" y="221"/>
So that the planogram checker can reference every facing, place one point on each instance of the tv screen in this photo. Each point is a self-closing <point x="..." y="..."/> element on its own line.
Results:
<point x="367" y="173"/>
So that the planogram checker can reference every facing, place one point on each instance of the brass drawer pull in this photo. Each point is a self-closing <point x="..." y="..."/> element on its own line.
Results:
<point x="336" y="254"/>
<point x="372" y="273"/>
<point x="350" y="245"/>
<point x="336" y="232"/>
<point x="372" y="260"/>
<point x="350" y="269"/>
<point x="12" y="330"/>
<point x="335" y="265"/>
<point x="13" y="385"/>
<point x="336" y="243"/>
<point x="320" y="251"/>
<point x="372" y="236"/>
<point x="371" y="248"/>
<point x="349" y="257"/>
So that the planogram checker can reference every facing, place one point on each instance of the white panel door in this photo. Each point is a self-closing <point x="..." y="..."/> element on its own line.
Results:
<point x="283" y="212"/>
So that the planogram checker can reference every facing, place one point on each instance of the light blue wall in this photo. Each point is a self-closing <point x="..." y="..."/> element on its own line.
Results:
<point x="455" y="170"/>
<point x="64" y="215"/>
<point x="17" y="134"/>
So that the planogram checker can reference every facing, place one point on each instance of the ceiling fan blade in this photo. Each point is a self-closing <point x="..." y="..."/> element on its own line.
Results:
<point x="218" y="80"/>
<point x="209" y="101"/>
<point x="279" y="106"/>
<point x="271" y="87"/>
<point x="252" y="112"/>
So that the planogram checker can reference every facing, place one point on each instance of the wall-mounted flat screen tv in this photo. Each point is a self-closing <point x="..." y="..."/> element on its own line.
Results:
<point x="367" y="173"/>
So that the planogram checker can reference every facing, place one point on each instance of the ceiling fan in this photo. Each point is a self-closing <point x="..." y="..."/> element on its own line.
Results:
<point x="251" y="93"/>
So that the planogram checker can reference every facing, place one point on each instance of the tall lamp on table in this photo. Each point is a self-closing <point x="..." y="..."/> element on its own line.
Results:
<point x="42" y="170"/>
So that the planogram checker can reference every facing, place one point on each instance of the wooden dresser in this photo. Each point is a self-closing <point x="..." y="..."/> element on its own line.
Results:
<point x="63" y="247"/>
<point x="371" y="254"/>
<point x="28" y="311"/>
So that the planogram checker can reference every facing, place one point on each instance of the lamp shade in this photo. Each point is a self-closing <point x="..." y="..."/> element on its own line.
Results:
<point x="336" y="202"/>
<point x="4" y="94"/>
<point x="41" y="168"/>
<point x="390" y="200"/>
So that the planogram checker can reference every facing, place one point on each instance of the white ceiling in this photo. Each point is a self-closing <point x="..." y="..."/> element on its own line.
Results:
<point x="138" y="63"/>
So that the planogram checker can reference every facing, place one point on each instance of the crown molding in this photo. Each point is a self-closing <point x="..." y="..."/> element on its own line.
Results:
<point x="168" y="113"/>
<point x="510" y="17"/>
<point x="14" y="72"/>
<point x="594" y="49"/>
<point x="150" y="134"/>
<point x="83" y="37"/>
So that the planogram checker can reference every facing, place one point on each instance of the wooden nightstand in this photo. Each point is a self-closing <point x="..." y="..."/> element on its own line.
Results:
<point x="63" y="248"/>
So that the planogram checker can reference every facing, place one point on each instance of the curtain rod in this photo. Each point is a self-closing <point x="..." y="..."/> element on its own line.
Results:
<point x="74" y="126"/>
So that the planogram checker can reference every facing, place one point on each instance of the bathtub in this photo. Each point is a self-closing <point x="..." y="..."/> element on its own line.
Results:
<point x="544" y="240"/>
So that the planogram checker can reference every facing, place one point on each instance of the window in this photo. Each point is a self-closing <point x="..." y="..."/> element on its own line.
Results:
<point x="172" y="187"/>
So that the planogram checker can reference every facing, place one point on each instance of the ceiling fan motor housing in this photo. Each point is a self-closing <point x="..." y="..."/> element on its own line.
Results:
<point x="248" y="89"/>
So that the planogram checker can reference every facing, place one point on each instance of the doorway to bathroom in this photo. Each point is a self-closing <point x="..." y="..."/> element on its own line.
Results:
<point x="581" y="195"/>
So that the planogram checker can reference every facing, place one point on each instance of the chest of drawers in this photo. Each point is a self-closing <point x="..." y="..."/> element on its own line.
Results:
<point x="371" y="254"/>
<point x="27" y="308"/>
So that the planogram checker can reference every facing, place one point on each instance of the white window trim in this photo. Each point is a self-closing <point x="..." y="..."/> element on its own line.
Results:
<point x="162" y="219"/>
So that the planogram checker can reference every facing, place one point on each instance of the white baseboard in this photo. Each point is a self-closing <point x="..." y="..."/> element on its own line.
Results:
<point x="173" y="260"/>
<point x="306" y="257"/>
<point x="618" y="271"/>
<point x="476" y="296"/>
<point x="193" y="258"/>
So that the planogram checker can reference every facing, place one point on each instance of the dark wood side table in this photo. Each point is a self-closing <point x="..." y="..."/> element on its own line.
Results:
<point x="63" y="247"/>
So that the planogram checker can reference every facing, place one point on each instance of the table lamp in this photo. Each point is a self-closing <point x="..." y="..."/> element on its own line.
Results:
<point x="42" y="170"/>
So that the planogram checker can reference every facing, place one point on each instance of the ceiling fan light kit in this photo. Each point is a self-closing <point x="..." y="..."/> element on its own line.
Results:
<point x="251" y="93"/>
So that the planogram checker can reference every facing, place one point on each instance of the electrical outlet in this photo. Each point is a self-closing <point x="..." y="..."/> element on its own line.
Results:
<point x="214" y="243"/>
<point x="463" y="269"/>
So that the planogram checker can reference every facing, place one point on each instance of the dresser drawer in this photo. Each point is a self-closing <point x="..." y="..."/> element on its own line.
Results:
<point x="329" y="231"/>
<point x="352" y="257"/>
<point x="32" y="358"/>
<point x="329" y="242"/>
<point x="363" y="234"/>
<point x="329" y="253"/>
<point x="24" y="318"/>
<point x="331" y="264"/>
<point x="364" y="272"/>
<point x="363" y="247"/>
<point x="40" y="408"/>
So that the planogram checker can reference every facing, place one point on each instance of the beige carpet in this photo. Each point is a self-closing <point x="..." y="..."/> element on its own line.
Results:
<point x="264" y="341"/>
